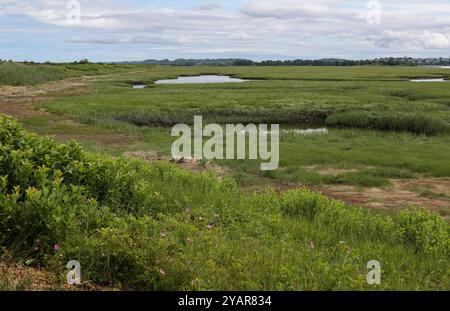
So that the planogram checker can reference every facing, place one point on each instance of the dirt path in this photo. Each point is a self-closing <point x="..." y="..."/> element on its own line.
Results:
<point x="430" y="193"/>
<point x="19" y="102"/>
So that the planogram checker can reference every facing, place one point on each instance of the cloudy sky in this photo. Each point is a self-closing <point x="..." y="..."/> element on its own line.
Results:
<point x="115" y="30"/>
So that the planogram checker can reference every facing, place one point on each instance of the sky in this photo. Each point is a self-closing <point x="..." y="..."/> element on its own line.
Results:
<point x="120" y="30"/>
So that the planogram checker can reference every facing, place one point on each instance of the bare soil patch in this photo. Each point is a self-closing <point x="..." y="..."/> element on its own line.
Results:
<point x="332" y="171"/>
<point x="111" y="140"/>
<point x="192" y="165"/>
<point x="17" y="277"/>
<point x="395" y="197"/>
<point x="19" y="101"/>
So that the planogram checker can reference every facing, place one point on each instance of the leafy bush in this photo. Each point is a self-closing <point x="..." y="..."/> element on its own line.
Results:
<point x="424" y="231"/>
<point x="301" y="203"/>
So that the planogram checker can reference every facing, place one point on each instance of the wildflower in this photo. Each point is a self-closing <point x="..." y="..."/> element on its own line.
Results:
<point x="162" y="272"/>
<point x="312" y="245"/>
<point x="162" y="234"/>
<point x="210" y="227"/>
<point x="187" y="210"/>
<point x="56" y="248"/>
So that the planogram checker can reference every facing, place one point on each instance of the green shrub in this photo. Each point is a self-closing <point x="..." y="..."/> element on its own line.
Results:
<point x="301" y="203"/>
<point x="425" y="231"/>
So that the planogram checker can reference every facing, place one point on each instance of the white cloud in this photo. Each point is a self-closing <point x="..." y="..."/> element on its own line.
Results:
<point x="422" y="39"/>
<point x="284" y="28"/>
<point x="289" y="9"/>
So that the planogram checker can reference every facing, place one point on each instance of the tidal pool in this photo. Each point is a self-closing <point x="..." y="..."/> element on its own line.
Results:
<point x="139" y="86"/>
<point x="428" y="80"/>
<point x="319" y="131"/>
<point x="301" y="131"/>
<point x="201" y="80"/>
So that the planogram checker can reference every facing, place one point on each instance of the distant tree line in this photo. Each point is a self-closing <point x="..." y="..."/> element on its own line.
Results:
<point x="81" y="62"/>
<point x="387" y="61"/>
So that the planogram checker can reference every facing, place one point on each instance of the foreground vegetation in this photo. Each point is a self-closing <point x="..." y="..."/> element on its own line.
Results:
<point x="133" y="225"/>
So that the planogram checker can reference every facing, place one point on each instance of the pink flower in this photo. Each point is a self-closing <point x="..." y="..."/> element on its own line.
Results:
<point x="56" y="248"/>
<point x="210" y="227"/>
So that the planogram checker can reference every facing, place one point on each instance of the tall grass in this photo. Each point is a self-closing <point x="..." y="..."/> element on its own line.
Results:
<point x="27" y="74"/>
<point x="171" y="117"/>
<point x="393" y="121"/>
<point x="19" y="74"/>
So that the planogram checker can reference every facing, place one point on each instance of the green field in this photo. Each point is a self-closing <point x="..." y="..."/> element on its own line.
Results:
<point x="407" y="135"/>
<point x="285" y="95"/>
<point x="153" y="225"/>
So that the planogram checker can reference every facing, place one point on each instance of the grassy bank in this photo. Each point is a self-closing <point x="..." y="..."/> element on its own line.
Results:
<point x="141" y="226"/>
<point x="401" y="122"/>
<point x="19" y="74"/>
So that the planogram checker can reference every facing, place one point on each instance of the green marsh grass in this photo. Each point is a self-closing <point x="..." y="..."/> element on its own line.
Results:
<point x="406" y="122"/>
<point x="298" y="96"/>
<point x="19" y="74"/>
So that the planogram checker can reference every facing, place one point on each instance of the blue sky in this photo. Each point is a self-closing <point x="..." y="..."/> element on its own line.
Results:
<point x="283" y="29"/>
